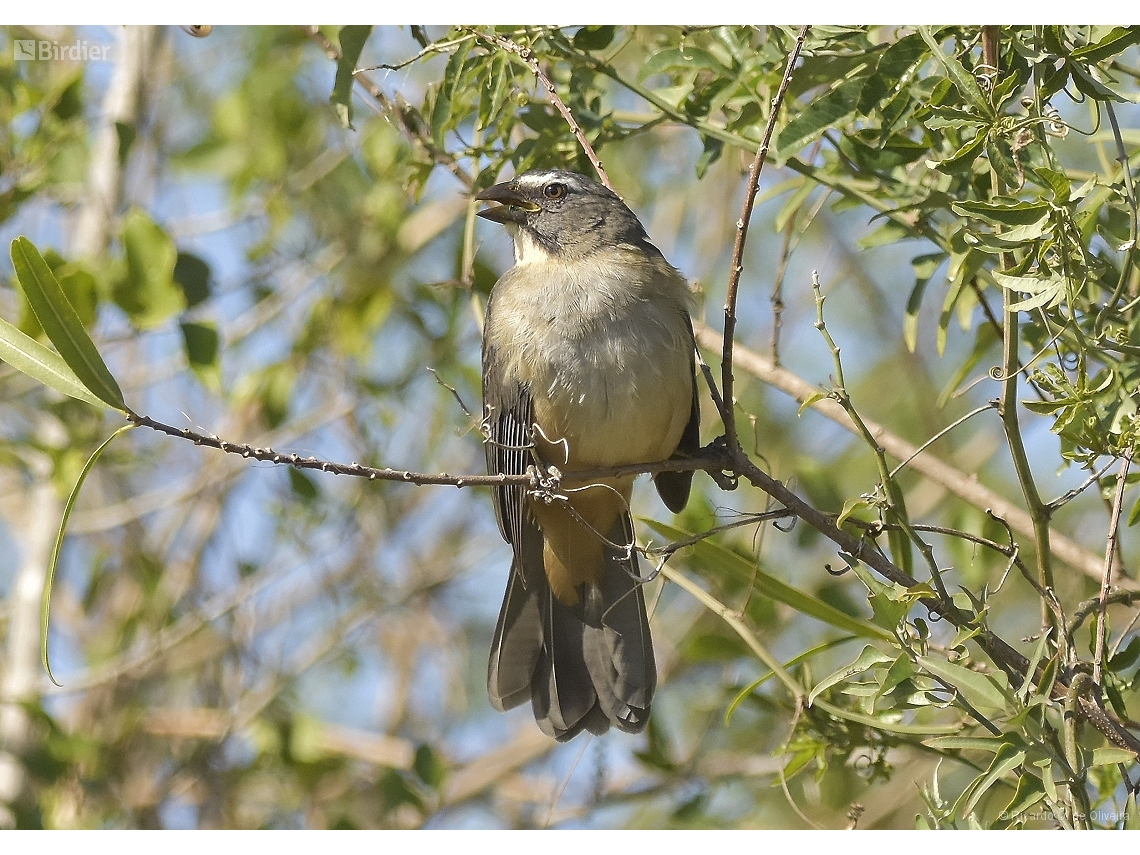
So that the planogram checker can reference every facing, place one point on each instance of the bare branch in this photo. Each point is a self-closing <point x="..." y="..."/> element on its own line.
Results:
<point x="728" y="413"/>
<point x="1106" y="579"/>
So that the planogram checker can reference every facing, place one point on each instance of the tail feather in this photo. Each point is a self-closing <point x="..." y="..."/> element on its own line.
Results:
<point x="518" y="640"/>
<point x="586" y="666"/>
<point x="563" y="689"/>
<point x="618" y="648"/>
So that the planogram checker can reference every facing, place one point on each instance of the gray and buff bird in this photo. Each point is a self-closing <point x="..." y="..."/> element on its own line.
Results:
<point x="587" y="363"/>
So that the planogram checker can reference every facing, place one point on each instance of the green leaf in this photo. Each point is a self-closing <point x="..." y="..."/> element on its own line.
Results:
<point x="1029" y="792"/>
<point x="40" y="363"/>
<point x="1115" y="42"/>
<point x="495" y="92"/>
<point x="1089" y="83"/>
<point x="868" y="658"/>
<point x="892" y="72"/>
<point x="714" y="555"/>
<point x="352" y="39"/>
<point x="817" y="395"/>
<point x="901" y="670"/>
<point x="792" y="206"/>
<point x="192" y="275"/>
<point x="1126" y="657"/>
<point x="452" y="77"/>
<point x="1046" y="291"/>
<point x="53" y="563"/>
<point x="992" y="744"/>
<point x="149" y="293"/>
<point x="1056" y="182"/>
<point x="201" y="344"/>
<point x="960" y="160"/>
<point x="594" y="38"/>
<point x="62" y="325"/>
<point x="830" y="111"/>
<point x="981" y="691"/>
<point x="1006" y="760"/>
<point x="1003" y="213"/>
<point x="1031" y="671"/>
<point x="709" y="155"/>
<point x="1131" y="813"/>
<point x="1003" y="163"/>
<point x="963" y="81"/>
<point x="984" y="339"/>
<point x="910" y="321"/>
<point x="1110" y="755"/>
<point x="429" y="766"/>
<point x="681" y="59"/>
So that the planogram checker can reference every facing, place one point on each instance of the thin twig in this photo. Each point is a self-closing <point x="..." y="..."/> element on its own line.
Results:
<point x="527" y="56"/>
<point x="939" y="436"/>
<point x="1092" y="605"/>
<point x="452" y="390"/>
<point x="1106" y="579"/>
<point x="751" y="519"/>
<point x="1076" y="491"/>
<point x="728" y="414"/>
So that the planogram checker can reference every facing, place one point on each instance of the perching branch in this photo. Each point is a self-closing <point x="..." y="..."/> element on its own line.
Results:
<point x="708" y="460"/>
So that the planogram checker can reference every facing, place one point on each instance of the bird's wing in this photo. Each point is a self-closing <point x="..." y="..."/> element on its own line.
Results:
<point x="508" y="413"/>
<point x="673" y="487"/>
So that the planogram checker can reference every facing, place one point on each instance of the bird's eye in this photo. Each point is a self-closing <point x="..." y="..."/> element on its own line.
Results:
<point x="555" y="190"/>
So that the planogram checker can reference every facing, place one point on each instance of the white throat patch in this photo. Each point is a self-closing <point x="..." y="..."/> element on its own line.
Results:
<point x="527" y="249"/>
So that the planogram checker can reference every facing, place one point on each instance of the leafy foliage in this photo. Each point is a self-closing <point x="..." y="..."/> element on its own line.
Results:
<point x="973" y="187"/>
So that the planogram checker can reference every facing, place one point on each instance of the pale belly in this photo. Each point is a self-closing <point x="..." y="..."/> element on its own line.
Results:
<point x="621" y="397"/>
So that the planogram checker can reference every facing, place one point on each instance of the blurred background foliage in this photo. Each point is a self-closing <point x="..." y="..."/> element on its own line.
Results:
<point x="254" y="646"/>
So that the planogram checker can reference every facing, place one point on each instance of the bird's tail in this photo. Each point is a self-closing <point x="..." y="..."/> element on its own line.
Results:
<point x="585" y="666"/>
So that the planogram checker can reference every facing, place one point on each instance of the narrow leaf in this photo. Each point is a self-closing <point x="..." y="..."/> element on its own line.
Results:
<point x="869" y="657"/>
<point x="1002" y="213"/>
<point x="829" y="111"/>
<point x="1029" y="792"/>
<point x="960" y="160"/>
<point x="963" y="81"/>
<point x="45" y="603"/>
<point x="1110" y="756"/>
<point x="1006" y="760"/>
<point x="979" y="690"/>
<point x="1116" y="41"/>
<point x="62" y="325"/>
<point x="40" y="363"/>
<point x="352" y="39"/>
<point x="1042" y="291"/>
<point x="910" y="321"/>
<point x="992" y="744"/>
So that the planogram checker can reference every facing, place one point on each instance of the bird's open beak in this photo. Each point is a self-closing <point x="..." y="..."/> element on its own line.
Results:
<point x="512" y="207"/>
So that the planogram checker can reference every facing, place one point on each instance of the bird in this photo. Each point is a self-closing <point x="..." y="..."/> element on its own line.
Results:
<point x="588" y="363"/>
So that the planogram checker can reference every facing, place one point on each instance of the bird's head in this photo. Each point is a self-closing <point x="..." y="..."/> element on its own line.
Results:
<point x="561" y="214"/>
